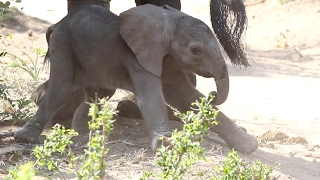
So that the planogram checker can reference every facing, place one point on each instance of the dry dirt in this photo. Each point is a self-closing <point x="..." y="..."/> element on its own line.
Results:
<point x="277" y="100"/>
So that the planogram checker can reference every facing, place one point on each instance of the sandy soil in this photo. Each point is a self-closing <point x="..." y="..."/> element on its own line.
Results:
<point x="277" y="100"/>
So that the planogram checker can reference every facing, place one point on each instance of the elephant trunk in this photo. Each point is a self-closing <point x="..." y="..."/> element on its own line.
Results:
<point x="221" y="77"/>
<point x="228" y="18"/>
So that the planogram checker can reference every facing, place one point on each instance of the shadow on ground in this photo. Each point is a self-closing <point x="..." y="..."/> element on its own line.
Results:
<point x="15" y="21"/>
<point x="290" y="62"/>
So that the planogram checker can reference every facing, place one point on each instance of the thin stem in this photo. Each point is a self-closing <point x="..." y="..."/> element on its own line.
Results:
<point x="23" y="52"/>
<point x="178" y="163"/>
<point x="104" y="142"/>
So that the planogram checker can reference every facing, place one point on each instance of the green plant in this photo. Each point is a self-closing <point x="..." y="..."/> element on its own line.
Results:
<point x="235" y="168"/>
<point x="16" y="109"/>
<point x="284" y="1"/>
<point x="33" y="70"/>
<point x="24" y="172"/>
<point x="94" y="158"/>
<point x="182" y="152"/>
<point x="184" y="146"/>
<point x="184" y="149"/>
<point x="59" y="139"/>
<point x="146" y="175"/>
<point x="56" y="141"/>
<point x="4" y="5"/>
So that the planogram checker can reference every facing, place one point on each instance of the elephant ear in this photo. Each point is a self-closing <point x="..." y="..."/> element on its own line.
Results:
<point x="146" y="31"/>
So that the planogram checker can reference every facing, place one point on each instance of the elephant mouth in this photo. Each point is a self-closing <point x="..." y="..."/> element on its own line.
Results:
<point x="206" y="75"/>
<point x="202" y="73"/>
<point x="198" y="70"/>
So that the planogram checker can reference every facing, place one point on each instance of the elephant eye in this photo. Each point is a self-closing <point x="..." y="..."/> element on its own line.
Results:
<point x="195" y="50"/>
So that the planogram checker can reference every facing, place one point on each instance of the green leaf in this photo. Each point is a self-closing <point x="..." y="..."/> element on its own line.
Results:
<point x="4" y="5"/>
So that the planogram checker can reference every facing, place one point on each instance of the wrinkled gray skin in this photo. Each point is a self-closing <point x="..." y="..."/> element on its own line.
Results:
<point x="228" y="130"/>
<point x="125" y="108"/>
<point x="77" y="63"/>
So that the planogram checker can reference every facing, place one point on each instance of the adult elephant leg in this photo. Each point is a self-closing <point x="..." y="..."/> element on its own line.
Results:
<point x="173" y="3"/>
<point x="181" y="95"/>
<point x="74" y="4"/>
<point x="81" y="118"/>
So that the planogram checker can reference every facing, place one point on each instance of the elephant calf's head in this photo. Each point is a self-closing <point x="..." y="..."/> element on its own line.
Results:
<point x="153" y="32"/>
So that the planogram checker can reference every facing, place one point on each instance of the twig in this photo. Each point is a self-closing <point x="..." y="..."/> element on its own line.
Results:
<point x="298" y="51"/>
<point x="12" y="148"/>
<point x="267" y="143"/>
<point x="112" y="142"/>
<point x="6" y="134"/>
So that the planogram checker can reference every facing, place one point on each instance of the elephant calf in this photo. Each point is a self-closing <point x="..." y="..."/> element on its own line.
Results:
<point x="144" y="50"/>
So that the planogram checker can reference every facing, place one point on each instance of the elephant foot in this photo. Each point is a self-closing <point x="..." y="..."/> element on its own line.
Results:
<point x="241" y="141"/>
<point x="156" y="142"/>
<point x="235" y="136"/>
<point x="28" y="133"/>
<point x="80" y="140"/>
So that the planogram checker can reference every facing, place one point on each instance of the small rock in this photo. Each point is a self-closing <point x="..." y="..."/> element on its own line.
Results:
<point x="271" y="145"/>
<point x="311" y="149"/>
<point x="30" y="34"/>
<point x="292" y="154"/>
<point x="2" y="171"/>
<point x="308" y="155"/>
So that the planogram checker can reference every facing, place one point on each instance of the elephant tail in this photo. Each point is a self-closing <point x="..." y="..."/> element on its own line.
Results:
<point x="229" y="22"/>
<point x="46" y="60"/>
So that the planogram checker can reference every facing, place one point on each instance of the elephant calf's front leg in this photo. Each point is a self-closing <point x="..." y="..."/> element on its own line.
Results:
<point x="150" y="100"/>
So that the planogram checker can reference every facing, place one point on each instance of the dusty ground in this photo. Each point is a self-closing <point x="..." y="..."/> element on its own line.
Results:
<point x="277" y="100"/>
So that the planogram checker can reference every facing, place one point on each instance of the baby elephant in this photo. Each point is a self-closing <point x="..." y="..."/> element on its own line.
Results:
<point x="92" y="47"/>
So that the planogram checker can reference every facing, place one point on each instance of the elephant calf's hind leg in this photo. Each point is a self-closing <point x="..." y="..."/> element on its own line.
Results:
<point x="81" y="118"/>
